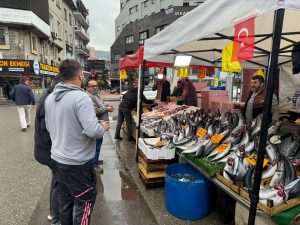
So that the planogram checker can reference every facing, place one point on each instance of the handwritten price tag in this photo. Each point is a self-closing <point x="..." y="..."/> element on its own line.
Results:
<point x="252" y="160"/>
<point x="216" y="138"/>
<point x="159" y="144"/>
<point x="201" y="133"/>
<point x="221" y="148"/>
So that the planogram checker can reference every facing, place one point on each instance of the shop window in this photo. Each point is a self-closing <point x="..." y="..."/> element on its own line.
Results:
<point x="117" y="56"/>
<point x="2" y="37"/>
<point x="66" y="15"/>
<point x="70" y="19"/>
<point x="131" y="10"/>
<point x="186" y="4"/>
<point x="34" y="44"/>
<point x="143" y="36"/>
<point x="129" y="39"/>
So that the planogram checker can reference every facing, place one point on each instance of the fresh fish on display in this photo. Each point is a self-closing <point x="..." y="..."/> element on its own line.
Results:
<point x="222" y="154"/>
<point x="289" y="146"/>
<point x="257" y="126"/>
<point x="272" y="153"/>
<point x="201" y="148"/>
<point x="289" y="170"/>
<point x="278" y="176"/>
<point x="269" y="172"/>
<point x="274" y="128"/>
<point x="229" y="168"/>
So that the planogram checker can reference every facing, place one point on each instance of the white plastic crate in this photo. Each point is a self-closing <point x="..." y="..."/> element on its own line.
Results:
<point x="155" y="154"/>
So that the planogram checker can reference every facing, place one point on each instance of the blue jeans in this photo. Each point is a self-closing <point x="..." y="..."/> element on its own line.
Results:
<point x="98" y="147"/>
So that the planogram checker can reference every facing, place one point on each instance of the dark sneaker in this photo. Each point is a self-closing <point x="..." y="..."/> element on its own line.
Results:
<point x="118" y="138"/>
<point x="98" y="169"/>
<point x="28" y="125"/>
<point x="23" y="129"/>
<point x="100" y="161"/>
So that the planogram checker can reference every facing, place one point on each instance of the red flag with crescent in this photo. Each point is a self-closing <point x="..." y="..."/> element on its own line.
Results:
<point x="243" y="40"/>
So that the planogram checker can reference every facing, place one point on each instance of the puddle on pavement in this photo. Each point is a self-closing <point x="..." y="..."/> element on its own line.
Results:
<point x="116" y="186"/>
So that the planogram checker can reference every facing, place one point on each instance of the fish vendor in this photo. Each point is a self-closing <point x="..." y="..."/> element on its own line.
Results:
<point x="254" y="104"/>
<point x="129" y="102"/>
<point x="163" y="88"/>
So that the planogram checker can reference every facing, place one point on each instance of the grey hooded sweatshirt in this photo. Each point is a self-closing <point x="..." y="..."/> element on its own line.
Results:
<point x="72" y="124"/>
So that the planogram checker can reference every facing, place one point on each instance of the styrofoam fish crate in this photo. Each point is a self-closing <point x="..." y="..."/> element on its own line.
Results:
<point x="155" y="154"/>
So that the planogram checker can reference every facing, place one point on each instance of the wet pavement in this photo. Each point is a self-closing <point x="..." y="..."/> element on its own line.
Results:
<point x="25" y="183"/>
<point x="154" y="197"/>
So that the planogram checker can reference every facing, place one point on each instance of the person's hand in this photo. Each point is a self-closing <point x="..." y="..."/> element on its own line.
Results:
<point x="105" y="124"/>
<point x="110" y="109"/>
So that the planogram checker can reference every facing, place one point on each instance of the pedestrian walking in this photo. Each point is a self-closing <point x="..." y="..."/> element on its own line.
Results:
<point x="23" y="96"/>
<point x="129" y="102"/>
<point x="101" y="110"/>
<point x="42" y="153"/>
<point x="73" y="127"/>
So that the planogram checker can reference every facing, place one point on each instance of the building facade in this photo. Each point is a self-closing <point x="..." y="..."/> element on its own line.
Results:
<point x="134" y="34"/>
<point x="35" y="36"/>
<point x="133" y="10"/>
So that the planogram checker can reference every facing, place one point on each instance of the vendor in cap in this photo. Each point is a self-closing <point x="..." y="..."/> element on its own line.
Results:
<point x="163" y="88"/>
<point x="254" y="104"/>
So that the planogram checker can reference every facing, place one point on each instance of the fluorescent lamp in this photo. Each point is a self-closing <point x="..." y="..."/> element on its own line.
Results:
<point x="182" y="60"/>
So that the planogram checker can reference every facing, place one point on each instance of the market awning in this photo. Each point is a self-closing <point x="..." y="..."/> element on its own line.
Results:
<point x="210" y="28"/>
<point x="133" y="61"/>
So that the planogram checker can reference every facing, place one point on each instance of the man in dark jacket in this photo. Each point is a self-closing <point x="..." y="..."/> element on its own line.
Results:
<point x="128" y="103"/>
<point x="42" y="152"/>
<point x="163" y="88"/>
<point x="189" y="94"/>
<point x="22" y="95"/>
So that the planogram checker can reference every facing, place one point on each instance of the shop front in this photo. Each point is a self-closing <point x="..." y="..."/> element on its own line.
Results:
<point x="40" y="75"/>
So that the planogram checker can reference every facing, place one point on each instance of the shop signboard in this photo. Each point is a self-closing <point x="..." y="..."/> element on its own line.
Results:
<point x="46" y="69"/>
<point x="11" y="66"/>
<point x="30" y="67"/>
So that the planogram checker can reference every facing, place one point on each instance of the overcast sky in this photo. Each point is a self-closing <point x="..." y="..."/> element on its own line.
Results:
<point x="102" y="22"/>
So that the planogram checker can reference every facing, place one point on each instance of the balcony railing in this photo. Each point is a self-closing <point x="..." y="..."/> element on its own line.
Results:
<point x="84" y="35"/>
<point x="82" y="50"/>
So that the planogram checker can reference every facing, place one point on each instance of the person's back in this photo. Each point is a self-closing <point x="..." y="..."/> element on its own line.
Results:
<point x="130" y="98"/>
<point x="73" y="127"/>
<point x="73" y="143"/>
<point x="192" y="96"/>
<point x="22" y="95"/>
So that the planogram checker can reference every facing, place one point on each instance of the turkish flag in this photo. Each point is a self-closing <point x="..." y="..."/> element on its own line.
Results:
<point x="243" y="41"/>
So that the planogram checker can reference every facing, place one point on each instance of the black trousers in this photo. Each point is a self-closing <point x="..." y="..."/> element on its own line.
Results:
<point x="124" y="113"/>
<point x="77" y="193"/>
<point x="54" y="198"/>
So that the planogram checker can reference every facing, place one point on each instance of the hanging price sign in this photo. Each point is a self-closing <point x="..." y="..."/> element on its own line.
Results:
<point x="201" y="133"/>
<point x="221" y="148"/>
<point x="216" y="138"/>
<point x="252" y="160"/>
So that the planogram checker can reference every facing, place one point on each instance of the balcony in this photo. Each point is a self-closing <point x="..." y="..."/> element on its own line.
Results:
<point x="72" y="4"/>
<point x="81" y="50"/>
<point x="84" y="35"/>
<point x="82" y="20"/>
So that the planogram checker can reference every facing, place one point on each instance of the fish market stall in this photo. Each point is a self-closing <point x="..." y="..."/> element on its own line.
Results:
<point x="260" y="160"/>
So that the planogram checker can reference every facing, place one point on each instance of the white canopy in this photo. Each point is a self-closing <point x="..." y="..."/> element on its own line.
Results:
<point x="205" y="31"/>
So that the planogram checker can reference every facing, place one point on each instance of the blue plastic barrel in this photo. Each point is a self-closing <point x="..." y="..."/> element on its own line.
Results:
<point x="187" y="199"/>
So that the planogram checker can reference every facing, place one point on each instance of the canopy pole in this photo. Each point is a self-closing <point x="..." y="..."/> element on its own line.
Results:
<point x="142" y="72"/>
<point x="273" y="60"/>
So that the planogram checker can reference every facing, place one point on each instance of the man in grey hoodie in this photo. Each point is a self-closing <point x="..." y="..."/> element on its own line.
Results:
<point x="73" y="128"/>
